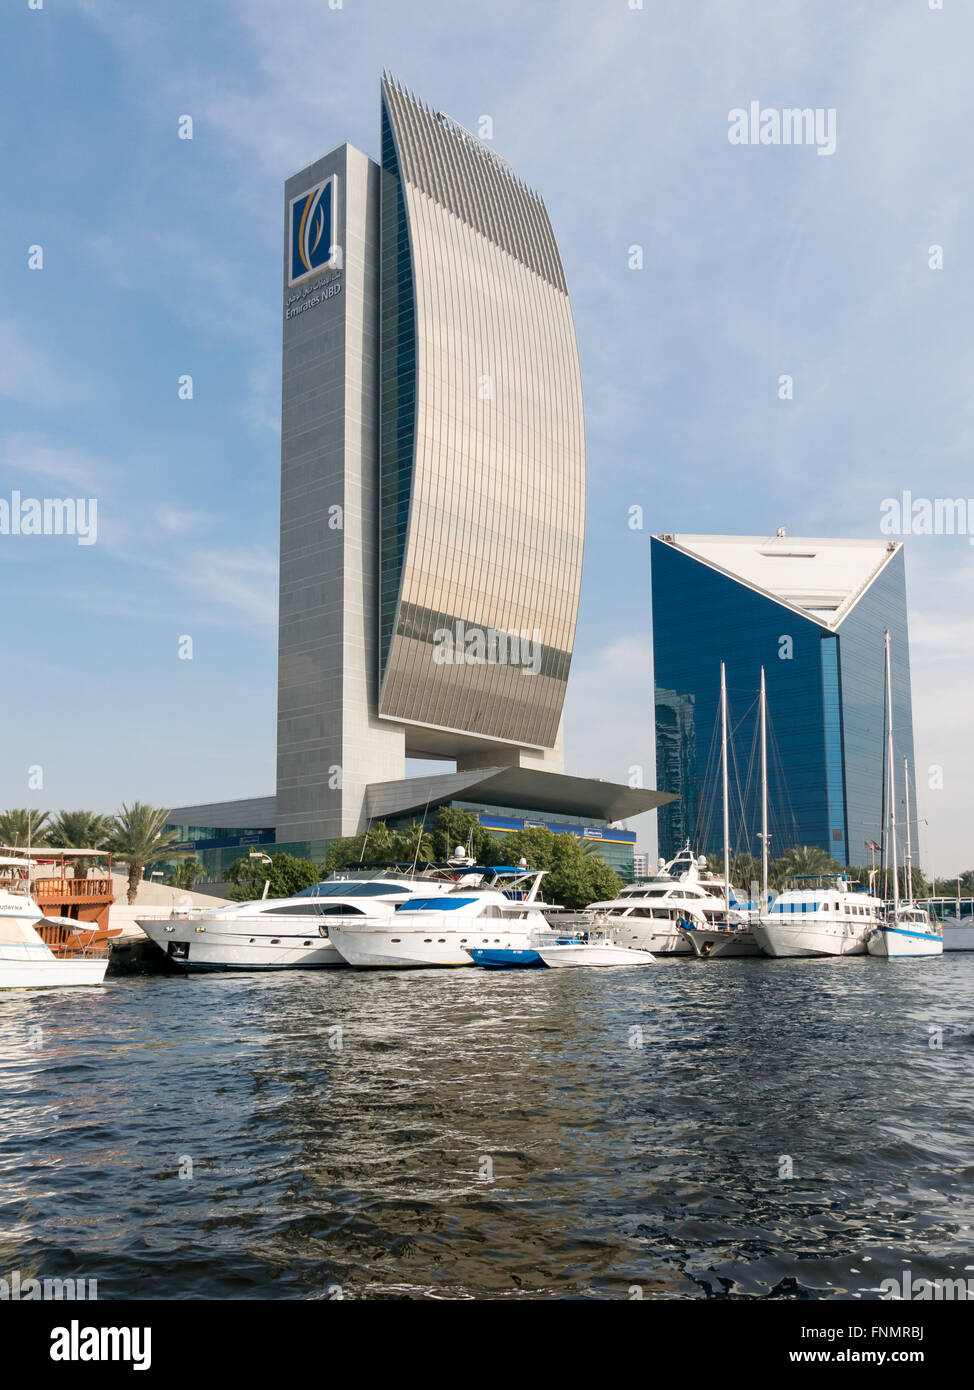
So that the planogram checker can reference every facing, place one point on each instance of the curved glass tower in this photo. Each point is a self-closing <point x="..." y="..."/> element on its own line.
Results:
<point x="482" y="449"/>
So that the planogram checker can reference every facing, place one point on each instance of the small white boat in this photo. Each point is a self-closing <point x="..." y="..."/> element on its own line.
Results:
<point x="598" y="951"/>
<point x="910" y="932"/>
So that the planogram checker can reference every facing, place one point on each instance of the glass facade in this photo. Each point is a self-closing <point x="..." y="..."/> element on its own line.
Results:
<point x="482" y="439"/>
<point x="397" y="389"/>
<point x="825" y="710"/>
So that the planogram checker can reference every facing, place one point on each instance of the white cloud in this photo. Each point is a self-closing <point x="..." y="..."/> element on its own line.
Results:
<point x="29" y="375"/>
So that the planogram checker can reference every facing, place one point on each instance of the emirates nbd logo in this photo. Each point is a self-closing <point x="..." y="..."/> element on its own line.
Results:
<point x="311" y="222"/>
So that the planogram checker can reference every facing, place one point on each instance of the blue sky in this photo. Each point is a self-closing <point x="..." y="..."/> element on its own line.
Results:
<point x="161" y="257"/>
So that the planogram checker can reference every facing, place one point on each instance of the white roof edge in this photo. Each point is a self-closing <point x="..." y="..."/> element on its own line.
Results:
<point x="890" y="548"/>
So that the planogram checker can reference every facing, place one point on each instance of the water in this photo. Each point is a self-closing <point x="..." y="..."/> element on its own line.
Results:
<point x="615" y="1165"/>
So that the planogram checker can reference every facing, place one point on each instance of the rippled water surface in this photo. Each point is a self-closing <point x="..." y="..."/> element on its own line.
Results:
<point x="342" y="1127"/>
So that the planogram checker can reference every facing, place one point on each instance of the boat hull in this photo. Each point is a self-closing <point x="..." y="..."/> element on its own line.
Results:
<point x="51" y="974"/>
<point x="785" y="939"/>
<point x="710" y="944"/>
<point x="656" y="937"/>
<point x="192" y="950"/>
<point x="494" y="958"/>
<point x="893" y="943"/>
<point x="367" y="948"/>
<point x="592" y="954"/>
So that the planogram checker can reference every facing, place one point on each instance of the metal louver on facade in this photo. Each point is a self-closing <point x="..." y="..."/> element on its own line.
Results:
<point x="482" y="451"/>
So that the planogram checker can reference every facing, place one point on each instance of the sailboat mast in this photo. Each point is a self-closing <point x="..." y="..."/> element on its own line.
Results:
<point x="764" y="795"/>
<point x="723" y="765"/>
<point x="909" y="842"/>
<point x="892" y="777"/>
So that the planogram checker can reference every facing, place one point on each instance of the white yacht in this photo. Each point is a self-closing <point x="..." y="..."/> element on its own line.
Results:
<point x="439" y="927"/>
<point x="821" y="915"/>
<point x="26" y="961"/>
<point x="648" y="916"/>
<point x="284" y="933"/>
<point x="908" y="931"/>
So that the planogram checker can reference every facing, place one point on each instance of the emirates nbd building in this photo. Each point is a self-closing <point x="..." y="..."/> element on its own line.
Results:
<point x="812" y="613"/>
<point x="432" y="502"/>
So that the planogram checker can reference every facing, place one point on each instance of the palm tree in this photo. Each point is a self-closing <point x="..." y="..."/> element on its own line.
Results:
<point x="804" y="860"/>
<point x="137" y="837"/>
<point x="186" y="873"/>
<point x="78" y="830"/>
<point x="18" y="829"/>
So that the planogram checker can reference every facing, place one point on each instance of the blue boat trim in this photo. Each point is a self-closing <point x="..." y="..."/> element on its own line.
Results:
<point x="923" y="935"/>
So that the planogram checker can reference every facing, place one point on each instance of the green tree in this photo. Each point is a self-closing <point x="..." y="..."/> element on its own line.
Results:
<point x="78" y="830"/>
<point x="576" y="874"/>
<point x="184" y="875"/>
<point x="802" y="861"/>
<point x="137" y="836"/>
<point x="21" y="828"/>
<point x="286" y="876"/>
<point x="414" y="844"/>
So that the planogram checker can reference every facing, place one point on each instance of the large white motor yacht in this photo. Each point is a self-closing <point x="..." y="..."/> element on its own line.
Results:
<point x="285" y="933"/>
<point x="821" y="915"/>
<point x="648" y="915"/>
<point x="442" y="927"/>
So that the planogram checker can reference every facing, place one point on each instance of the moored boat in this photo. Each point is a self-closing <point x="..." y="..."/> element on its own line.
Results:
<point x="443" y="926"/>
<point x="26" y="960"/>
<point x="596" y="951"/>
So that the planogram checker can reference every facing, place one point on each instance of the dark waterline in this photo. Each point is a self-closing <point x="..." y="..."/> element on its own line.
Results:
<point x="635" y="1120"/>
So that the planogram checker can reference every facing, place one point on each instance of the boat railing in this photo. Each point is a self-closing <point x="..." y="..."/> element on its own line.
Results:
<point x="72" y="941"/>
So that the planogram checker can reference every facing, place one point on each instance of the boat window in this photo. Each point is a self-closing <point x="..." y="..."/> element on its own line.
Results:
<point x="373" y="889"/>
<point x="340" y="910"/>
<point x="434" y="904"/>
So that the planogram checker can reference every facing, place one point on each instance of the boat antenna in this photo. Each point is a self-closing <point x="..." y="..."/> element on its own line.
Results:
<point x="365" y="840"/>
<point x="419" y="838"/>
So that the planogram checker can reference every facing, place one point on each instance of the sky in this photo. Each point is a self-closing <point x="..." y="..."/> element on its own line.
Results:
<point x="161" y="259"/>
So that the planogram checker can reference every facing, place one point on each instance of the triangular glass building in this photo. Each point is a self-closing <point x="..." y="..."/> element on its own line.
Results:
<point x="813" y="613"/>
